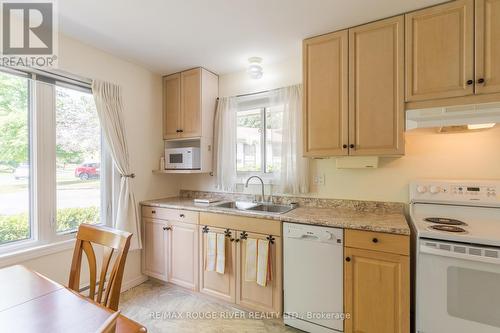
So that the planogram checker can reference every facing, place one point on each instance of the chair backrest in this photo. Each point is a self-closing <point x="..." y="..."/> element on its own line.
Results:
<point x="108" y="293"/>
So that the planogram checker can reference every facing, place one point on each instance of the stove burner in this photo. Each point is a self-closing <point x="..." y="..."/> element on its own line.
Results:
<point x="447" y="228"/>
<point x="442" y="220"/>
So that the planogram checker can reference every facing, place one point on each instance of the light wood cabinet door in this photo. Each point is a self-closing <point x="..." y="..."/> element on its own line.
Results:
<point x="222" y="286"/>
<point x="376" y="292"/>
<point x="183" y="255"/>
<point x="155" y="249"/>
<point x="191" y="103"/>
<point x="325" y="95"/>
<point x="171" y="106"/>
<point x="440" y="51"/>
<point x="251" y="295"/>
<point x="376" y="88"/>
<point x="487" y="46"/>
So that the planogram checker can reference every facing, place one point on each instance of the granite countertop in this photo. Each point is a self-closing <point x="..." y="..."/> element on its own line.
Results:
<point x="348" y="217"/>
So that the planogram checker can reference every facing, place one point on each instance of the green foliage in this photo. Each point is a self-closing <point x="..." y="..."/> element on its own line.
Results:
<point x="15" y="227"/>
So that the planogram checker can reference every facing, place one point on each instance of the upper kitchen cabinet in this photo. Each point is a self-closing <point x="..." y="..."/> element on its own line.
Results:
<point x="451" y="54"/>
<point x="440" y="51"/>
<point x="325" y="95"/>
<point x="189" y="104"/>
<point x="376" y="88"/>
<point x="487" y="46"/>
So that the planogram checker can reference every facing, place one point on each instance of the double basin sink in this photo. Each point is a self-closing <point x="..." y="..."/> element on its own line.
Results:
<point x="262" y="207"/>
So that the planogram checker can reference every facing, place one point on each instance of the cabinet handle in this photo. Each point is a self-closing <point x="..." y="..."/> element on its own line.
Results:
<point x="153" y="212"/>
<point x="344" y="146"/>
<point x="348" y="259"/>
<point x="167" y="228"/>
<point x="180" y="131"/>
<point x="481" y="80"/>
<point x="182" y="215"/>
<point x="237" y="240"/>
<point x="351" y="146"/>
<point x="177" y="131"/>
<point x="469" y="82"/>
<point x="375" y="240"/>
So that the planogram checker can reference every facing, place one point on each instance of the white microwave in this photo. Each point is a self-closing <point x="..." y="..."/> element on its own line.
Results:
<point x="187" y="158"/>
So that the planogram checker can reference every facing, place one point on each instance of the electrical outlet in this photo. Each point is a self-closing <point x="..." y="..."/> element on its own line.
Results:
<point x="319" y="180"/>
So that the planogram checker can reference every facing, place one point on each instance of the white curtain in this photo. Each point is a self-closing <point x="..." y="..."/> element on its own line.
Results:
<point x="109" y="105"/>
<point x="225" y="143"/>
<point x="294" y="177"/>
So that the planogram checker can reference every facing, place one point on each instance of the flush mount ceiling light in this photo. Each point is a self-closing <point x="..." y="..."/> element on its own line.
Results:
<point x="255" y="70"/>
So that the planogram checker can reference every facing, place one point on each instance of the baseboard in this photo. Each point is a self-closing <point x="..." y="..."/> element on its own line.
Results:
<point x="126" y="285"/>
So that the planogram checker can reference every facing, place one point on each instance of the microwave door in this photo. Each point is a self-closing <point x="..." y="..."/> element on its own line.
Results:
<point x="175" y="160"/>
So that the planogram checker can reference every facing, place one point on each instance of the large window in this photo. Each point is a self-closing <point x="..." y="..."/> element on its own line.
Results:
<point x="54" y="170"/>
<point x="258" y="136"/>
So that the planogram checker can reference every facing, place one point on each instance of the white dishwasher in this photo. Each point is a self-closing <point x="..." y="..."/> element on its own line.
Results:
<point x="313" y="277"/>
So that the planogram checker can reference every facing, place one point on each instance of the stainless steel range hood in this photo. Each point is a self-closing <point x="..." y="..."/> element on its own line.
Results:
<point x="475" y="116"/>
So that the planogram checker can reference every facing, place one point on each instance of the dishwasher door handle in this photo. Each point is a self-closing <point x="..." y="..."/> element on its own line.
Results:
<point x="324" y="236"/>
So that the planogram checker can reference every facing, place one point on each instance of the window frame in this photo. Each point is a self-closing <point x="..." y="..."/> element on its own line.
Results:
<point x="42" y="166"/>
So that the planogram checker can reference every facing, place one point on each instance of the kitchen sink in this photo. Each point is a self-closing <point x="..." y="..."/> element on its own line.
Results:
<point x="256" y="207"/>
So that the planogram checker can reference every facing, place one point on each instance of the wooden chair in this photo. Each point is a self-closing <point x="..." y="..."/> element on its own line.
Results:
<point x="111" y="240"/>
<point x="109" y="326"/>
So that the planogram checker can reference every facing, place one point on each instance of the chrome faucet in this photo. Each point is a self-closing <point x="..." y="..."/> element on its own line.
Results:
<point x="261" y="182"/>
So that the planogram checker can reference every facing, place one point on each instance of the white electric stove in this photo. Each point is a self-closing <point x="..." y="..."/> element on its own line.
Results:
<point x="457" y="226"/>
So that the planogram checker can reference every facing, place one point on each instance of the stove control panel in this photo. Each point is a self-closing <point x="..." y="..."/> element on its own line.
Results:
<point x="480" y="193"/>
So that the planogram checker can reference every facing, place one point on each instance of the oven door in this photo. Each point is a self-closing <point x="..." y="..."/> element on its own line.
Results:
<point x="458" y="288"/>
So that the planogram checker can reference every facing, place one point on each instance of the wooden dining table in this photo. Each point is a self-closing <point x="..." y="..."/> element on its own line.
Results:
<point x="31" y="302"/>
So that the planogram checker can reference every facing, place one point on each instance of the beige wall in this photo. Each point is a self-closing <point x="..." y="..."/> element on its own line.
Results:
<point x="142" y="116"/>
<point x="428" y="154"/>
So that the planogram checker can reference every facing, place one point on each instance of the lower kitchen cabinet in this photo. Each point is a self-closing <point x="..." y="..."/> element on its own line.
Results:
<point x="222" y="286"/>
<point x="250" y="294"/>
<point x="183" y="255"/>
<point x="155" y="248"/>
<point x="376" y="286"/>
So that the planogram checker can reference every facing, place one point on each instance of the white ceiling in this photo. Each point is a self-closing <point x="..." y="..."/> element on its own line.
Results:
<point x="171" y="35"/>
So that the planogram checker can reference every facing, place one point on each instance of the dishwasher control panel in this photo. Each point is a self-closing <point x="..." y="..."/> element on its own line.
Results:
<point x="313" y="233"/>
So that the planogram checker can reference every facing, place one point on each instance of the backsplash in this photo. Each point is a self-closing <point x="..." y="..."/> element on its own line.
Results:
<point x="357" y="205"/>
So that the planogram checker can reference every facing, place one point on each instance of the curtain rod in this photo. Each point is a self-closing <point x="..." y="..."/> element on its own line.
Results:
<point x="255" y="93"/>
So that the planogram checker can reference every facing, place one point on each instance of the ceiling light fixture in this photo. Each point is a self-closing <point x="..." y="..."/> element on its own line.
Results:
<point x="255" y="70"/>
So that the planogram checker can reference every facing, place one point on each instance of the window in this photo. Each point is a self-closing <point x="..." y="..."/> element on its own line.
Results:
<point x="15" y="185"/>
<point x="258" y="137"/>
<point x="55" y="172"/>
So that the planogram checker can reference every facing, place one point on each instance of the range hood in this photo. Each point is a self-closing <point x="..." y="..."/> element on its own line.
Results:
<point x="475" y="116"/>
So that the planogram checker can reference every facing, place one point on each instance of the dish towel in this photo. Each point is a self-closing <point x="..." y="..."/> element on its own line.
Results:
<point x="211" y="257"/>
<point x="263" y="262"/>
<point x="251" y="260"/>
<point x="221" y="253"/>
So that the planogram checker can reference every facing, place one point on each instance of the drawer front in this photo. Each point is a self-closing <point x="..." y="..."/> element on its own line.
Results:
<point x="170" y="214"/>
<point x="377" y="241"/>
<point x="241" y="223"/>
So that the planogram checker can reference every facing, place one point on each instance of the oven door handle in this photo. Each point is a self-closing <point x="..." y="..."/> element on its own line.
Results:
<point x="464" y="256"/>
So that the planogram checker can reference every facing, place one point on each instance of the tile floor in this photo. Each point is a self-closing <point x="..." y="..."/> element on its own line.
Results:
<point x="168" y="308"/>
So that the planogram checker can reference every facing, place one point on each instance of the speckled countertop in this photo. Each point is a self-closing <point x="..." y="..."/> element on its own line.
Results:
<point x="347" y="214"/>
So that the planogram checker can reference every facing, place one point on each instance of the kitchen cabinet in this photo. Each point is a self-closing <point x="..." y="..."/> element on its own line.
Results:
<point x="231" y="286"/>
<point x="376" y="282"/>
<point x="487" y="29"/>
<point x="171" y="245"/>
<point x="183" y="255"/>
<point x="155" y="246"/>
<point x="222" y="286"/>
<point x="172" y="106"/>
<point x="355" y="109"/>
<point x="325" y="96"/>
<point x="249" y="294"/>
<point x="451" y="54"/>
<point x="376" y="88"/>
<point x="189" y="104"/>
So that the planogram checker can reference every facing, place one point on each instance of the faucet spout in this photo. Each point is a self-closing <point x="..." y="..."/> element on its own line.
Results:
<point x="261" y="183"/>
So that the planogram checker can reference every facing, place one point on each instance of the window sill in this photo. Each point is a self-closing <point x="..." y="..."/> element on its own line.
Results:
<point x="16" y="257"/>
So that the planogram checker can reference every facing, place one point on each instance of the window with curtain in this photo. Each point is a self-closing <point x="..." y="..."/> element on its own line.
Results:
<point x="266" y="140"/>
<point x="55" y="172"/>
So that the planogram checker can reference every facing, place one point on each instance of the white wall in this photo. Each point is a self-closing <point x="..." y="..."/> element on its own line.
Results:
<point x="142" y="98"/>
<point x="428" y="154"/>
